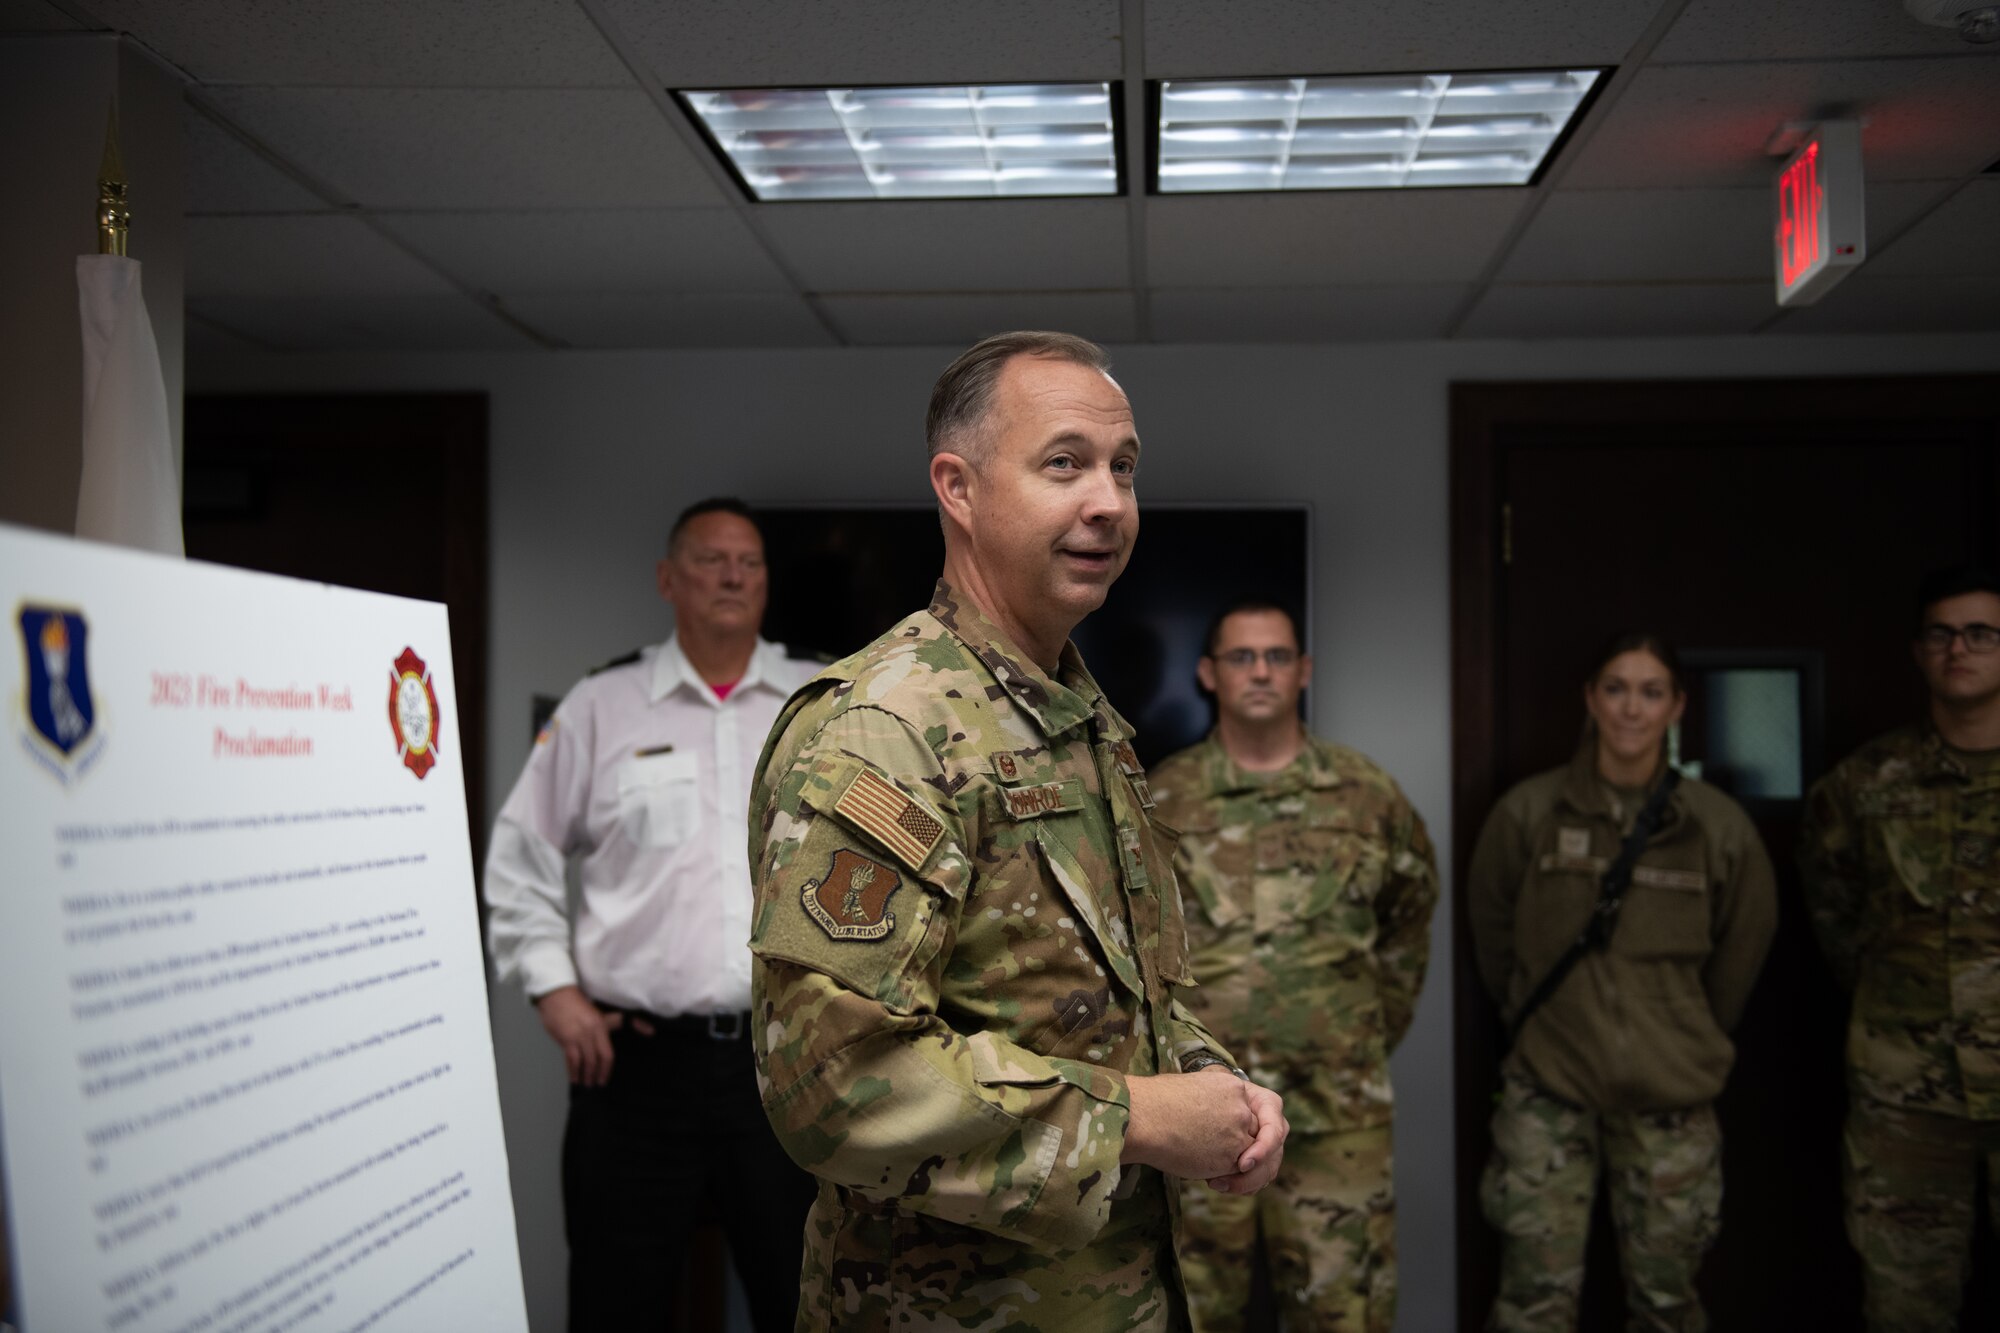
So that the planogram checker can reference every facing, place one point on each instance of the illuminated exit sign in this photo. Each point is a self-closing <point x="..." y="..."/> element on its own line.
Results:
<point x="1817" y="225"/>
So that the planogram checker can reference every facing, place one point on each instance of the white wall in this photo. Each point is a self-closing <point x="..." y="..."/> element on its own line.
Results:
<point x="593" y="453"/>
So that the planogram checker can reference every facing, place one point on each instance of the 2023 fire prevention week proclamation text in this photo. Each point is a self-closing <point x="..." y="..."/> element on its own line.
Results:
<point x="246" y="1078"/>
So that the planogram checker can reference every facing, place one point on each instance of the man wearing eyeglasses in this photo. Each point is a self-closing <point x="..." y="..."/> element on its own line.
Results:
<point x="640" y="781"/>
<point x="1310" y="883"/>
<point x="1901" y="857"/>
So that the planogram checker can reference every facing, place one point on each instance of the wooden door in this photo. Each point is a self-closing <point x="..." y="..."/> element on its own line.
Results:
<point x="1753" y="523"/>
<point x="384" y="492"/>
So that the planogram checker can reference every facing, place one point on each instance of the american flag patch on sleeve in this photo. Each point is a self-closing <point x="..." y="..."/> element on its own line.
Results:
<point x="878" y="809"/>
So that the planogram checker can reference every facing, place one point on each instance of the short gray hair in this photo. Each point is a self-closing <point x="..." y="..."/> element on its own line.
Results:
<point x="963" y="395"/>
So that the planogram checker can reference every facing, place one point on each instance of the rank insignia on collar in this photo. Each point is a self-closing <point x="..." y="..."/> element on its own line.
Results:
<point x="1128" y="760"/>
<point x="851" y="900"/>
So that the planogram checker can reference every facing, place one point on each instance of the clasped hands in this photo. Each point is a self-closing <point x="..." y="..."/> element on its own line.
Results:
<point x="1209" y="1125"/>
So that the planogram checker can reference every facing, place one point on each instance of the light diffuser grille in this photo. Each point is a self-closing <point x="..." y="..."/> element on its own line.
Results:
<point x="1363" y="131"/>
<point x="916" y="143"/>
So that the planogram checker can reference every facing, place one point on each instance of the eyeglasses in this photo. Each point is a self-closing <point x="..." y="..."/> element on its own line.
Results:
<point x="1275" y="658"/>
<point x="1978" y="638"/>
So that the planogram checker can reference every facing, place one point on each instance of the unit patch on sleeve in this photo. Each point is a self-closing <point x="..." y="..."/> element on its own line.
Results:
<point x="874" y="806"/>
<point x="851" y="900"/>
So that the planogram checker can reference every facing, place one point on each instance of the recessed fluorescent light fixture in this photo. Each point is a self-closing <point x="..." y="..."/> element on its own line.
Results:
<point x="1363" y="131"/>
<point x="981" y="141"/>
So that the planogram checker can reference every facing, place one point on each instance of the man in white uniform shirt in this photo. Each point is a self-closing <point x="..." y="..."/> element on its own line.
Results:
<point x="643" y="776"/>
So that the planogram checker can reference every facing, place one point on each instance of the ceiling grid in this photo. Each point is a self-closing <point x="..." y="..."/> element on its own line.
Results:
<point x="379" y="174"/>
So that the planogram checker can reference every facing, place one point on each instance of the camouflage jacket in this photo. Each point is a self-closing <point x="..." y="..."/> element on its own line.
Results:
<point x="967" y="934"/>
<point x="1900" y="852"/>
<point x="1642" y="1024"/>
<point x="1310" y="894"/>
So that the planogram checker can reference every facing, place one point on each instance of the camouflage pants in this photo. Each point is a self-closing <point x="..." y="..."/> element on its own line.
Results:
<point x="1910" y="1178"/>
<point x="1663" y="1171"/>
<point x="1328" y="1225"/>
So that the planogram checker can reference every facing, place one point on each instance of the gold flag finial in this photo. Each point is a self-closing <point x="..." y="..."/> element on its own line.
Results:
<point x="113" y="218"/>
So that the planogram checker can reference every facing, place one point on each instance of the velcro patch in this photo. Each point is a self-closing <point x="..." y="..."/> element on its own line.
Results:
<point x="875" y="807"/>
<point x="1006" y="765"/>
<point x="1573" y="843"/>
<point x="1128" y="759"/>
<point x="1046" y="799"/>
<point x="1691" y="881"/>
<point x="851" y="900"/>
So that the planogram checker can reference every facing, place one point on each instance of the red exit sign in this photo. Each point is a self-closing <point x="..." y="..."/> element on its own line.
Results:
<point x="1818" y="234"/>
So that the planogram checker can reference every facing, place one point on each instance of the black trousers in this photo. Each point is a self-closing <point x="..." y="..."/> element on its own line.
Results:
<point x="679" y="1119"/>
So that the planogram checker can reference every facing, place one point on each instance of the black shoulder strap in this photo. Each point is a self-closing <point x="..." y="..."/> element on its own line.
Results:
<point x="627" y="660"/>
<point x="1597" y="931"/>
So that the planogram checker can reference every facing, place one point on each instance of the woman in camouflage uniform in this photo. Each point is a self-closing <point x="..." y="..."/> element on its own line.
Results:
<point x="1619" y="1065"/>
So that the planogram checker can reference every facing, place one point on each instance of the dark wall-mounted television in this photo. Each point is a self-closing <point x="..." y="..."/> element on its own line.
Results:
<point x="840" y="576"/>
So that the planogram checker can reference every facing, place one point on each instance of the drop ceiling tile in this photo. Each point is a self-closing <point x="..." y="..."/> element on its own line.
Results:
<point x="1620" y="310"/>
<point x="1706" y="125"/>
<point x="765" y="43"/>
<point x="1960" y="237"/>
<point x="450" y="323"/>
<point x="609" y="250"/>
<point x="458" y="148"/>
<point x="1200" y="38"/>
<point x="225" y="176"/>
<point x="1674" y="235"/>
<point x="1816" y="30"/>
<point x="1866" y="303"/>
<point x="1335" y="238"/>
<point x="694" y="320"/>
<point x="35" y="16"/>
<point x="976" y="245"/>
<point x="1305" y="314"/>
<point x="298" y="256"/>
<point x="961" y="319"/>
<point x="374" y="43"/>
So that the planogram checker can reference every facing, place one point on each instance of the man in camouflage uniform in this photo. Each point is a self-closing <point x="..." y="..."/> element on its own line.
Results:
<point x="1901" y="858"/>
<point x="1311" y="884"/>
<point x="968" y="932"/>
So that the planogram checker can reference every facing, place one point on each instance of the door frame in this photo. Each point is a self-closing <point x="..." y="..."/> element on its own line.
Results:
<point x="377" y="427"/>
<point x="1485" y="416"/>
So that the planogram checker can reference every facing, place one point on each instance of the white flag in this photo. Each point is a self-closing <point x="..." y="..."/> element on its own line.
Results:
<point x="130" y="493"/>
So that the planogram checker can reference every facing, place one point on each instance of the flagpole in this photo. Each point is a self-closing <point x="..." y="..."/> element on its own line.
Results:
<point x="129" y="491"/>
<point x="114" y="219"/>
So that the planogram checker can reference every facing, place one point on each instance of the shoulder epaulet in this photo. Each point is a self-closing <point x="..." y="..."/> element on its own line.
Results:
<point x="626" y="660"/>
<point x="800" y="653"/>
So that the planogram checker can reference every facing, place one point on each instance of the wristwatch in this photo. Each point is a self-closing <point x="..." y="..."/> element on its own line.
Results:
<point x="1201" y="1060"/>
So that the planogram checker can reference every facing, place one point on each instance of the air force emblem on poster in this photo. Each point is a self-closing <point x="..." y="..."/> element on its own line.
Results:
<point x="413" y="712"/>
<point x="851" y="901"/>
<point x="61" y="715"/>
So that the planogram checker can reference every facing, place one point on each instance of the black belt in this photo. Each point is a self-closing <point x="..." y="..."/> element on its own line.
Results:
<point x="733" y="1025"/>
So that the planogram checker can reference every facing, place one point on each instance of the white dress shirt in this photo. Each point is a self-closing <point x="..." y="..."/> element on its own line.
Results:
<point x="643" y="774"/>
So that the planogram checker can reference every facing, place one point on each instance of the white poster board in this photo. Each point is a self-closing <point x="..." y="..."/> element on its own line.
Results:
<point x="246" y="1078"/>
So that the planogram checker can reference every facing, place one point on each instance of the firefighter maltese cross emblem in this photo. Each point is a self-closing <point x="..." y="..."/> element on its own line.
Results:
<point x="851" y="900"/>
<point x="62" y="728"/>
<point x="413" y="712"/>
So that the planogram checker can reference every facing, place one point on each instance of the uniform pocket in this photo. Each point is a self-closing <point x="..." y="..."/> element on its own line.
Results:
<point x="659" y="798"/>
<point x="1666" y="915"/>
<point x="1323" y="881"/>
